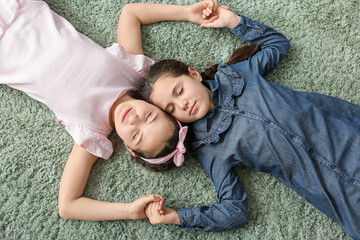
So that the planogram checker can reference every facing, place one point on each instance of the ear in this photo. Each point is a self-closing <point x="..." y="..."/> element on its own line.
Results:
<point x="131" y="151"/>
<point x="195" y="74"/>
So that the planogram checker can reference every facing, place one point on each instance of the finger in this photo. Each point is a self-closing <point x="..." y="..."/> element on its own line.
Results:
<point x="207" y="25"/>
<point x="159" y="209"/>
<point x="156" y="208"/>
<point x="212" y="19"/>
<point x="215" y="6"/>
<point x="206" y="12"/>
<point x="161" y="203"/>
<point x="211" y="4"/>
<point x="225" y="7"/>
<point x="151" y="198"/>
<point x="209" y="22"/>
<point x="159" y="198"/>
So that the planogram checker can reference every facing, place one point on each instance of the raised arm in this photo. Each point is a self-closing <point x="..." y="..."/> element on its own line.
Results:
<point x="273" y="44"/>
<point x="134" y="15"/>
<point x="72" y="204"/>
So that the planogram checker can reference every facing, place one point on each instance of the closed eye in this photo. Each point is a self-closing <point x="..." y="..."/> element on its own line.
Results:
<point x="170" y="109"/>
<point x="179" y="90"/>
<point x="147" y="116"/>
<point x="135" y="134"/>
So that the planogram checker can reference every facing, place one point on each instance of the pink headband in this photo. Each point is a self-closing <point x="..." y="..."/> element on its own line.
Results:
<point x="178" y="153"/>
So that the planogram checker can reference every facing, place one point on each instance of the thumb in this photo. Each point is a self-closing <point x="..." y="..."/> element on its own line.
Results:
<point x="150" y="198"/>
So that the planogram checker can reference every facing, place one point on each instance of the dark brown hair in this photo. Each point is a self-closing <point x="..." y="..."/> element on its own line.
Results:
<point x="240" y="54"/>
<point x="169" y="147"/>
<point x="176" y="68"/>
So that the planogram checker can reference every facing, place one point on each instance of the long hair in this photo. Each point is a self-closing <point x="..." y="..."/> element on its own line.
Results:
<point x="176" y="68"/>
<point x="240" y="54"/>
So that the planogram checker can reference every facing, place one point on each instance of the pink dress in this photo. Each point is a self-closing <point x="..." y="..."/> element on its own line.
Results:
<point x="44" y="56"/>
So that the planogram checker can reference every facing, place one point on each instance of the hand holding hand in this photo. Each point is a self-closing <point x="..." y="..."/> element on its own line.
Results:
<point x="167" y="216"/>
<point x="202" y="12"/>
<point x="221" y="17"/>
<point x="137" y="208"/>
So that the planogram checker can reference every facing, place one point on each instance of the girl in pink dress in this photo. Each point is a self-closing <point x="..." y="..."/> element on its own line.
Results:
<point x="89" y="90"/>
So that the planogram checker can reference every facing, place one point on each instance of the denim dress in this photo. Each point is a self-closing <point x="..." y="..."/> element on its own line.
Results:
<point x="308" y="141"/>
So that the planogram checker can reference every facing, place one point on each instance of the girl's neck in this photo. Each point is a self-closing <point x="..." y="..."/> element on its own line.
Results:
<point x="126" y="97"/>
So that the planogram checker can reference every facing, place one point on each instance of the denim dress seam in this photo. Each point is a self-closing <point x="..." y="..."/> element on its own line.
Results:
<point x="343" y="176"/>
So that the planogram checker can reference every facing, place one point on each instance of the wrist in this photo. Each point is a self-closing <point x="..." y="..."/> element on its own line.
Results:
<point x="128" y="210"/>
<point x="186" y="12"/>
<point x="175" y="218"/>
<point x="234" y="21"/>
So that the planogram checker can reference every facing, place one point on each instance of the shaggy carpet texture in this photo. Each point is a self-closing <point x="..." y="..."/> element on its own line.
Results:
<point x="324" y="57"/>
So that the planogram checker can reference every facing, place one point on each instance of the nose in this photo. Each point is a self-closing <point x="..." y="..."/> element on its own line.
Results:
<point x="133" y="118"/>
<point x="183" y="104"/>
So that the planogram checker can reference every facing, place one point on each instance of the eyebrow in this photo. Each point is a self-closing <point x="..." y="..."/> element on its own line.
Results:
<point x="173" y="93"/>
<point x="140" y="138"/>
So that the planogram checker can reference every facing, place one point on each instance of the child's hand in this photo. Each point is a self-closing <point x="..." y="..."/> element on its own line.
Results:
<point x="203" y="11"/>
<point x="221" y="17"/>
<point x="137" y="208"/>
<point x="168" y="216"/>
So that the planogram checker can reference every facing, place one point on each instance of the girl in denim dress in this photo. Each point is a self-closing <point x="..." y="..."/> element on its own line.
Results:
<point x="308" y="141"/>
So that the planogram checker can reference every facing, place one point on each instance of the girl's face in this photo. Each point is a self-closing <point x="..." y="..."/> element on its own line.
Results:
<point x="142" y="126"/>
<point x="184" y="97"/>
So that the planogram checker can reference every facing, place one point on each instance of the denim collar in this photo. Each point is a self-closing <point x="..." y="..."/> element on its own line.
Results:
<point x="224" y="88"/>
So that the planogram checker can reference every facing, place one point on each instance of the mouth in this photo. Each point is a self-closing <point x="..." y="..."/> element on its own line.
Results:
<point x="192" y="109"/>
<point x="125" y="114"/>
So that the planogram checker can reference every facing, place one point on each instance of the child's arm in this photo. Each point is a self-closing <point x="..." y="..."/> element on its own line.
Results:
<point x="73" y="205"/>
<point x="273" y="44"/>
<point x="137" y="14"/>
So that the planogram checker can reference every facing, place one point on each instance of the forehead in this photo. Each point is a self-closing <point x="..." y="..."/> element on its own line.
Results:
<point x="164" y="86"/>
<point x="156" y="135"/>
<point x="142" y="104"/>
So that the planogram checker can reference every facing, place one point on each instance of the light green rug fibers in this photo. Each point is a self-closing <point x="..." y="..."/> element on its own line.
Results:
<point x="324" y="57"/>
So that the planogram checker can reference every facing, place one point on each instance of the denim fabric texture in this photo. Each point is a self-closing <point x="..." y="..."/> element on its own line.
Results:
<point x="308" y="141"/>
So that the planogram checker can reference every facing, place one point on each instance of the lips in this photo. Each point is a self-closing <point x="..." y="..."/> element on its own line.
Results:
<point x="192" y="109"/>
<point x="125" y="114"/>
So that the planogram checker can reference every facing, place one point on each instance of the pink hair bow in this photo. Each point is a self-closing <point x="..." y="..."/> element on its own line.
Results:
<point x="178" y="153"/>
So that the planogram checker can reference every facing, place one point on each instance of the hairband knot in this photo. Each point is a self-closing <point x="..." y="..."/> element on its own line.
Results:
<point x="177" y="154"/>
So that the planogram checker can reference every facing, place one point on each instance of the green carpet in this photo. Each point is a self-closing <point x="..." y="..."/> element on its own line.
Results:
<point x="324" y="57"/>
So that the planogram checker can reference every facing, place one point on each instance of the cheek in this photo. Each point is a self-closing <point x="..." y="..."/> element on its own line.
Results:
<point x="182" y="117"/>
<point x="121" y="134"/>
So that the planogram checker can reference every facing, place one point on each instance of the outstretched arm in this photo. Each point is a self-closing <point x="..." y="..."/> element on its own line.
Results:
<point x="134" y="15"/>
<point x="230" y="212"/>
<point x="73" y="205"/>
